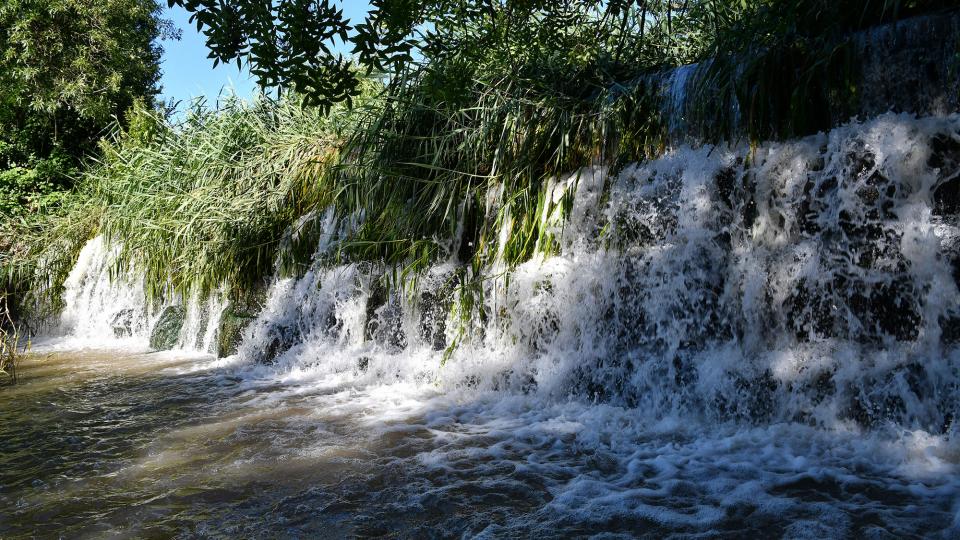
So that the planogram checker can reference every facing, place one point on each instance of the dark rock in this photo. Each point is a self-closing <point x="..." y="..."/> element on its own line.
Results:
<point x="823" y="387"/>
<point x="630" y="230"/>
<point x="878" y="399"/>
<point x="363" y="363"/>
<point x="433" y="319"/>
<point x="946" y="198"/>
<point x="122" y="323"/>
<point x="384" y="318"/>
<point x="275" y="348"/>
<point x="806" y="211"/>
<point x="607" y="380"/>
<point x="434" y="305"/>
<point x="230" y="331"/>
<point x="725" y="181"/>
<point x="759" y="395"/>
<point x="809" y="312"/>
<point x="684" y="372"/>
<point x="754" y="399"/>
<point x="749" y="211"/>
<point x="873" y="408"/>
<point x="888" y="309"/>
<point x="945" y="155"/>
<point x="167" y="330"/>
<point x="377" y="298"/>
<point x="950" y="329"/>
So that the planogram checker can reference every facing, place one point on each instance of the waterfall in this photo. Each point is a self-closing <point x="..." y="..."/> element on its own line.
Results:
<point x="813" y="280"/>
<point x="100" y="305"/>
<point x="725" y="340"/>
<point x="105" y="306"/>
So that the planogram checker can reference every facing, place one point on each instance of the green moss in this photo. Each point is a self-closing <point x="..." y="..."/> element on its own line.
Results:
<point x="167" y="330"/>
<point x="230" y="332"/>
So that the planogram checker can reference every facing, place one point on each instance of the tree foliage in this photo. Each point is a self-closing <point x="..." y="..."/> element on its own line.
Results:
<point x="300" y="43"/>
<point x="296" y="43"/>
<point x="68" y="69"/>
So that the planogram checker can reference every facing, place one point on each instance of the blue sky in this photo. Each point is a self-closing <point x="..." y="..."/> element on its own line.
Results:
<point x="188" y="73"/>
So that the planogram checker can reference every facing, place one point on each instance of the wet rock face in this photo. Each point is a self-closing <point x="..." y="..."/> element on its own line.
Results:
<point x="122" y="323"/>
<point x="435" y="299"/>
<point x="230" y="333"/>
<point x="946" y="199"/>
<point x="384" y="318"/>
<point x="804" y="280"/>
<point x="433" y="318"/>
<point x="167" y="330"/>
<point x="855" y="310"/>
<point x="799" y="280"/>
<point x="945" y="160"/>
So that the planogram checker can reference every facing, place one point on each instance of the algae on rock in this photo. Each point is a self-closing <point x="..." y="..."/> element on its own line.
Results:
<point x="230" y="333"/>
<point x="167" y="330"/>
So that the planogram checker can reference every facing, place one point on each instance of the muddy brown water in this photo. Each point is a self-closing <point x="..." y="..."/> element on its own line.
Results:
<point x="156" y="445"/>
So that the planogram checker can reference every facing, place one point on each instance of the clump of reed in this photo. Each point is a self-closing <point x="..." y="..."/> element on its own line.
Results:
<point x="204" y="203"/>
<point x="451" y="159"/>
<point x="193" y="205"/>
<point x="12" y="347"/>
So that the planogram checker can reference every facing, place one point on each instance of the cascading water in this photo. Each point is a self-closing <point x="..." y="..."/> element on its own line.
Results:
<point x="732" y="341"/>
<point x="100" y="305"/>
<point x="809" y="281"/>
<point x="103" y="304"/>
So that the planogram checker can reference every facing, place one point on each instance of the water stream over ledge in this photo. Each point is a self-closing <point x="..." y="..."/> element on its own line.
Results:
<point x="731" y="342"/>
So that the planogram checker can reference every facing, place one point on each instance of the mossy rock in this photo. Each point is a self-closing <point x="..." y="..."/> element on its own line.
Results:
<point x="230" y="333"/>
<point x="167" y="330"/>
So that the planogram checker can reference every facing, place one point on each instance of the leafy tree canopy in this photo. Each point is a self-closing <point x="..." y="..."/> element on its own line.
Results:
<point x="294" y="43"/>
<point x="68" y="68"/>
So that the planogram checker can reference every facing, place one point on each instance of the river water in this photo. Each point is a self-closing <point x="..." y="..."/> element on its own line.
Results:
<point x="127" y="444"/>
<point x="731" y="342"/>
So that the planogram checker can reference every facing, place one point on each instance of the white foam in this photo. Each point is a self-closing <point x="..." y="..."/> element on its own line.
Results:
<point x="753" y="324"/>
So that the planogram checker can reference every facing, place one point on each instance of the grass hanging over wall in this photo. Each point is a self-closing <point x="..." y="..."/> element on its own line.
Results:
<point x="193" y="206"/>
<point x="441" y="161"/>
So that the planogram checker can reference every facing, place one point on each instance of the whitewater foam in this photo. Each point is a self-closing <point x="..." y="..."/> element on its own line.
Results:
<point x="729" y="336"/>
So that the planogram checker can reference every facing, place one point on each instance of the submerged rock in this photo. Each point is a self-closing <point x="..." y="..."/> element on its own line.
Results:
<point x="167" y="330"/>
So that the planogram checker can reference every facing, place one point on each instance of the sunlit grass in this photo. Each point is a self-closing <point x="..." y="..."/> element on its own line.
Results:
<point x="452" y="160"/>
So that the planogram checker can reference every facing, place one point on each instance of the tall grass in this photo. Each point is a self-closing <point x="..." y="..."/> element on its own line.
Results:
<point x="194" y="205"/>
<point x="446" y="156"/>
<point x="205" y="202"/>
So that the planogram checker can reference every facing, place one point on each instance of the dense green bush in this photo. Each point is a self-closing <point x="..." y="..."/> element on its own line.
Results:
<point x="69" y="69"/>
